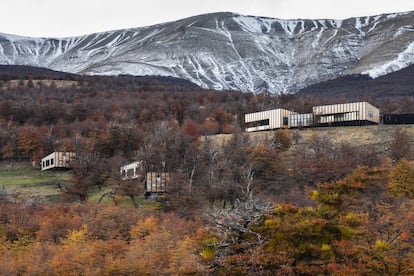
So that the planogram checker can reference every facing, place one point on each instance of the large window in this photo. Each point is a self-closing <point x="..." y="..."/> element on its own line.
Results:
<point x="265" y="122"/>
<point x="301" y="120"/>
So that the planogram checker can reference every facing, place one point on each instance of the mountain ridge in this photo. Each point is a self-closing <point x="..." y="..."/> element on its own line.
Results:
<point x="228" y="51"/>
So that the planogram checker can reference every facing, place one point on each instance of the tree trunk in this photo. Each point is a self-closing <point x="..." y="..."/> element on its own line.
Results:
<point x="190" y="184"/>
<point x="102" y="197"/>
<point x="134" y="201"/>
<point x="82" y="198"/>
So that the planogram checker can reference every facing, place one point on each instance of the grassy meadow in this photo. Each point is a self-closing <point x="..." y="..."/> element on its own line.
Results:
<point x="23" y="182"/>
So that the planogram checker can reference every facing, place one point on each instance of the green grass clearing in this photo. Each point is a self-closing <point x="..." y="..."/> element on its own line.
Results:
<point x="124" y="200"/>
<point x="26" y="176"/>
<point x="25" y="182"/>
<point x="30" y="182"/>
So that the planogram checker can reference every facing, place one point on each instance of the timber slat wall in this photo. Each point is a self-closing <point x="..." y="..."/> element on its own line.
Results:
<point x="57" y="159"/>
<point x="358" y="113"/>
<point x="275" y="118"/>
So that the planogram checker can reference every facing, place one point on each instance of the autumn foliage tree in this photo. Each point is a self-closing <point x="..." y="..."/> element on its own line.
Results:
<point x="401" y="180"/>
<point x="97" y="239"/>
<point x="29" y="143"/>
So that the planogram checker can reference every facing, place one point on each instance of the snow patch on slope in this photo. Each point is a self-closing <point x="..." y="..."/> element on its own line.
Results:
<point x="253" y="25"/>
<point x="404" y="29"/>
<point x="404" y="59"/>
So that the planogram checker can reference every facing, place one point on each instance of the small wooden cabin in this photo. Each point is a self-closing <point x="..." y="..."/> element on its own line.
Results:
<point x="57" y="159"/>
<point x="153" y="182"/>
<point x="131" y="171"/>
<point x="156" y="182"/>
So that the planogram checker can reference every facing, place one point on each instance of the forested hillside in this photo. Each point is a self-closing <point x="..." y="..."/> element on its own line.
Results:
<point x="63" y="113"/>
<point x="392" y="93"/>
<point x="294" y="202"/>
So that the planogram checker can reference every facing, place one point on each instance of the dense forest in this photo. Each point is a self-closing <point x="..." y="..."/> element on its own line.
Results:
<point x="278" y="205"/>
<point x="60" y="111"/>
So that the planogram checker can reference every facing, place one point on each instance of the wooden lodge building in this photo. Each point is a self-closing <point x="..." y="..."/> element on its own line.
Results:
<point x="347" y="114"/>
<point x="57" y="160"/>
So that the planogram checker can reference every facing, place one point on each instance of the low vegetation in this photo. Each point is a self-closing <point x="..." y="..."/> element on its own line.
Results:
<point x="360" y="224"/>
<point x="285" y="203"/>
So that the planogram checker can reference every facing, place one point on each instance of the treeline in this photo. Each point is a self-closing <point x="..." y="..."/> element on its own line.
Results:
<point x="38" y="116"/>
<point x="36" y="119"/>
<point x="116" y="116"/>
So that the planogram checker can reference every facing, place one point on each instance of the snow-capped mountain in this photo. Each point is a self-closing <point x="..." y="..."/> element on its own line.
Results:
<point x="231" y="51"/>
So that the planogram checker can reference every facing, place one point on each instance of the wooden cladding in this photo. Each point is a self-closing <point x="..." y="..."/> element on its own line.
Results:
<point x="269" y="119"/>
<point x="348" y="112"/>
<point x="336" y="114"/>
<point x="57" y="159"/>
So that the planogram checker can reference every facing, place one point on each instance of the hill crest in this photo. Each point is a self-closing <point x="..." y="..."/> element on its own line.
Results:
<point x="230" y="51"/>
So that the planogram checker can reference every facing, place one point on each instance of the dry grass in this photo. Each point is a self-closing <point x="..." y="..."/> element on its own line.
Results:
<point x="378" y="136"/>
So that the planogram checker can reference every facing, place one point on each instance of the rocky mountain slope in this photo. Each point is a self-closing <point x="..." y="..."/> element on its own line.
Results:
<point x="230" y="51"/>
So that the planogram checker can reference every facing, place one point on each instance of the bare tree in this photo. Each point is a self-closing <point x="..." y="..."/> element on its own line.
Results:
<point x="89" y="171"/>
<point x="246" y="210"/>
<point x="400" y="147"/>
